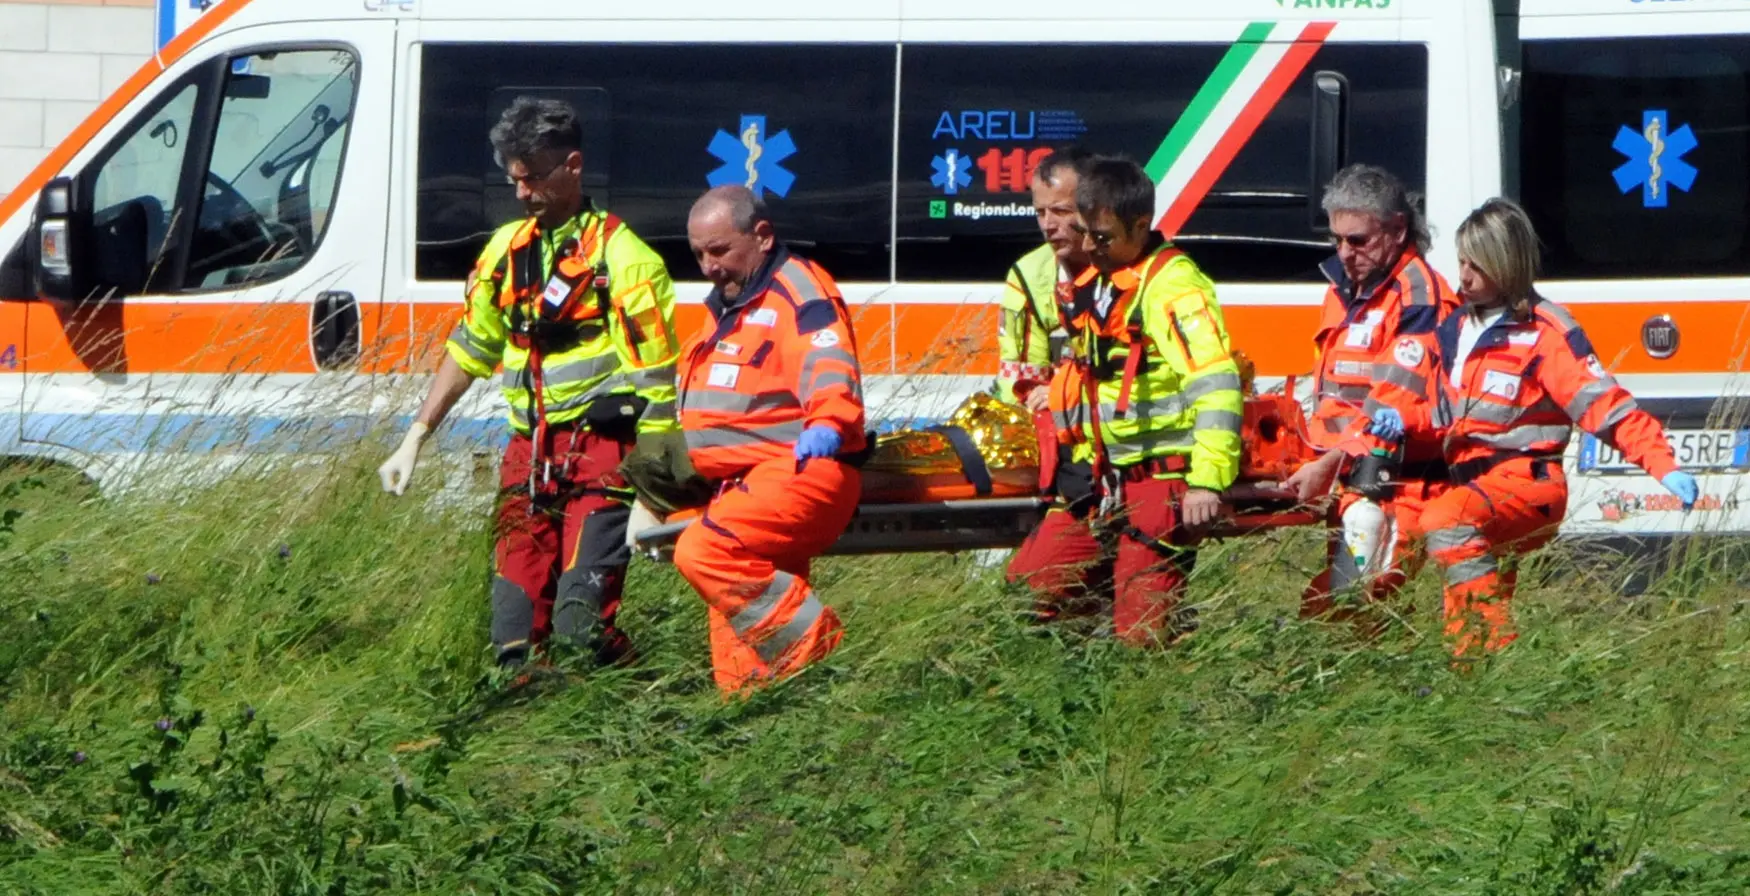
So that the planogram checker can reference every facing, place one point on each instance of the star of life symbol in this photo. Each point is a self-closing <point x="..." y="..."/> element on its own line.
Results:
<point x="952" y="172"/>
<point x="752" y="159"/>
<point x="1655" y="158"/>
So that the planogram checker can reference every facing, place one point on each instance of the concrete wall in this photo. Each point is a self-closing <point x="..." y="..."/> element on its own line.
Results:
<point x="58" y="59"/>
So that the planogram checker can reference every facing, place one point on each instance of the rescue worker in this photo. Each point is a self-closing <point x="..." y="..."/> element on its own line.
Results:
<point x="771" y="406"/>
<point x="1152" y="401"/>
<point x="578" y="312"/>
<point x="1041" y="284"/>
<point x="1039" y="289"/>
<point x="1500" y="384"/>
<point x="1381" y="288"/>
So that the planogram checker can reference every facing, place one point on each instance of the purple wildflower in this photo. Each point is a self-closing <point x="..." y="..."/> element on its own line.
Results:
<point x="165" y="724"/>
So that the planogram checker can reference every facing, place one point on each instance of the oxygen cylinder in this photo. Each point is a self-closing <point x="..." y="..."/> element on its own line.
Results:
<point x="1368" y="536"/>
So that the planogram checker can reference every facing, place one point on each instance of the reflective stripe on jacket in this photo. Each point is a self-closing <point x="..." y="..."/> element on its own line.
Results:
<point x="626" y="348"/>
<point x="1356" y="334"/>
<point x="778" y="359"/>
<point x="1184" y="398"/>
<point x="1521" y="390"/>
<point x="1027" y="318"/>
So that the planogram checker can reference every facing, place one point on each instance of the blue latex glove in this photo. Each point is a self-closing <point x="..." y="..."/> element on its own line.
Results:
<point x="1388" y="424"/>
<point x="1683" y="486"/>
<point x="819" y="440"/>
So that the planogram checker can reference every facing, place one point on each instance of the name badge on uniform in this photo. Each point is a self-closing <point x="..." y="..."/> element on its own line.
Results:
<point x="729" y="348"/>
<point x="1500" y="384"/>
<point x="1522" y="337"/>
<point x="1360" y="334"/>
<point x="762" y="317"/>
<point x="556" y="291"/>
<point x="723" y="375"/>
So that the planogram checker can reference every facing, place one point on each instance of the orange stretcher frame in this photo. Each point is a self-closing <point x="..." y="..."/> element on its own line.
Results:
<point x="937" y="514"/>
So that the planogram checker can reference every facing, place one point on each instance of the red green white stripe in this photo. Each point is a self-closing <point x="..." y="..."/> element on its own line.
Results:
<point x="1246" y="84"/>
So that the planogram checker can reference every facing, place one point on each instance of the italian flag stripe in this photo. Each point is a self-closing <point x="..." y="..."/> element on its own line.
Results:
<point x="1246" y="84"/>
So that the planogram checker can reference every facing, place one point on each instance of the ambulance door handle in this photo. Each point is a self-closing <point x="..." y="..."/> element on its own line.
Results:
<point x="1330" y="138"/>
<point x="335" y="338"/>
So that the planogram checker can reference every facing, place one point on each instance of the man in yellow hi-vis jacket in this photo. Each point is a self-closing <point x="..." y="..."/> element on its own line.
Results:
<point x="1152" y="400"/>
<point x="578" y="312"/>
<point x="1039" y="284"/>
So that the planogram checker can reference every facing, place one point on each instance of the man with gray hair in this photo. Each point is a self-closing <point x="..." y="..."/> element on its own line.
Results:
<point x="579" y="314"/>
<point x="1382" y="293"/>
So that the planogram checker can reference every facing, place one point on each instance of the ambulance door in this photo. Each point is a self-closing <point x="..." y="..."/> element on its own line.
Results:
<point x="224" y="290"/>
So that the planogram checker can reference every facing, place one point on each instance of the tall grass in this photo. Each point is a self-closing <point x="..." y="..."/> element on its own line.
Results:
<point x="280" y="685"/>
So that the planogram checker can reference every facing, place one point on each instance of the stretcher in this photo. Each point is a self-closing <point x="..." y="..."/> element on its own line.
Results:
<point x="973" y="484"/>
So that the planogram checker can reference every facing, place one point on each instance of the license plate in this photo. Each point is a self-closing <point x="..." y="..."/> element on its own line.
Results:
<point x="1696" y="449"/>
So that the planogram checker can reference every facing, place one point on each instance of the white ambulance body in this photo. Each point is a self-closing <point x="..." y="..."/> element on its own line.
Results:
<point x="281" y="207"/>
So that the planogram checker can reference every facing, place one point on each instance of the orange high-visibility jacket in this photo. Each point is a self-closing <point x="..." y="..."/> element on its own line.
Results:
<point x="776" y="360"/>
<point x="1356" y="335"/>
<point x="1520" y="392"/>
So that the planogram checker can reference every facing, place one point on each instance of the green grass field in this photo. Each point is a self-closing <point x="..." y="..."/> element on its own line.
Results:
<point x="317" y="652"/>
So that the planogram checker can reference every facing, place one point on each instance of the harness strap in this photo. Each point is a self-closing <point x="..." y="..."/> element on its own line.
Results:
<point x="971" y="462"/>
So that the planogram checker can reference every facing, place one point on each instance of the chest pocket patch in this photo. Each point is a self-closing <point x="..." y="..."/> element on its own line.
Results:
<point x="1199" y="335"/>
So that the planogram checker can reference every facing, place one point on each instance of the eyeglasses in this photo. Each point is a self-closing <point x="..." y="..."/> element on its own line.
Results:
<point x="529" y="180"/>
<point x="1355" y="240"/>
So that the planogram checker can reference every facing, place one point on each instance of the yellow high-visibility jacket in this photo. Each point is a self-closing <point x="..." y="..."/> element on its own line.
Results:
<point x="607" y="330"/>
<point x="1029" y="316"/>
<point x="1185" y="396"/>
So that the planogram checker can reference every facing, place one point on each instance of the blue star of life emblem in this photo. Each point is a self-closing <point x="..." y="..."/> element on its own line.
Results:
<point x="1655" y="158"/>
<point x="953" y="174"/>
<point x="752" y="159"/>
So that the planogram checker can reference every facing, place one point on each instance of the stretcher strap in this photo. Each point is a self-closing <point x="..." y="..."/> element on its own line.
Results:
<point x="971" y="462"/>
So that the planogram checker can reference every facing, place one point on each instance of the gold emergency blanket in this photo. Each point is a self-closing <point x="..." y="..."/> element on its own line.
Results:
<point x="919" y="465"/>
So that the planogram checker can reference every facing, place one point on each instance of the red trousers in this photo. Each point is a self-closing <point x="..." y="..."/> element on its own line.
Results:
<point x="560" y="559"/>
<point x="1513" y="509"/>
<point x="748" y="557"/>
<point x="1070" y="562"/>
<point x="1405" y="508"/>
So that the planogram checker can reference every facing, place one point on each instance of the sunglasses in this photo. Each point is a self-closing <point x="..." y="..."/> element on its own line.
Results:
<point x="1101" y="238"/>
<point x="1355" y="240"/>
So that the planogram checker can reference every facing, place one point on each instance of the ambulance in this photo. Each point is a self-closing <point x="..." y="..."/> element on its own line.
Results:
<point x="256" y="246"/>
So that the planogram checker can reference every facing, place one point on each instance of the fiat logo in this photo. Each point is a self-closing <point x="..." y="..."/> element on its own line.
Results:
<point x="1659" y="336"/>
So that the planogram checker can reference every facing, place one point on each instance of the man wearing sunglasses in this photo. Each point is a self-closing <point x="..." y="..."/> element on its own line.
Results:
<point x="1381" y="290"/>
<point x="1152" y="401"/>
<point x="579" y="314"/>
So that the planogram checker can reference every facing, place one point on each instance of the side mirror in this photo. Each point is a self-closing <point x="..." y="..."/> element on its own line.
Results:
<point x="60" y="240"/>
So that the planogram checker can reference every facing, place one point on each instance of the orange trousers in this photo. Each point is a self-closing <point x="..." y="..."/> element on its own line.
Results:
<point x="748" y="558"/>
<point x="1405" y="507"/>
<point x="1512" y="509"/>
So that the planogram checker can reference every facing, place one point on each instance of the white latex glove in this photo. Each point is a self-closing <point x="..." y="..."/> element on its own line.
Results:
<point x="642" y="518"/>
<point x="397" y="471"/>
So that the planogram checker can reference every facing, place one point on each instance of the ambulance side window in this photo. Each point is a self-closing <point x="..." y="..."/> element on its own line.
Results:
<point x="975" y="119"/>
<point x="229" y="180"/>
<point x="1634" y="155"/>
<point x="272" y="175"/>
<point x="136" y="188"/>
<point x="808" y="126"/>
